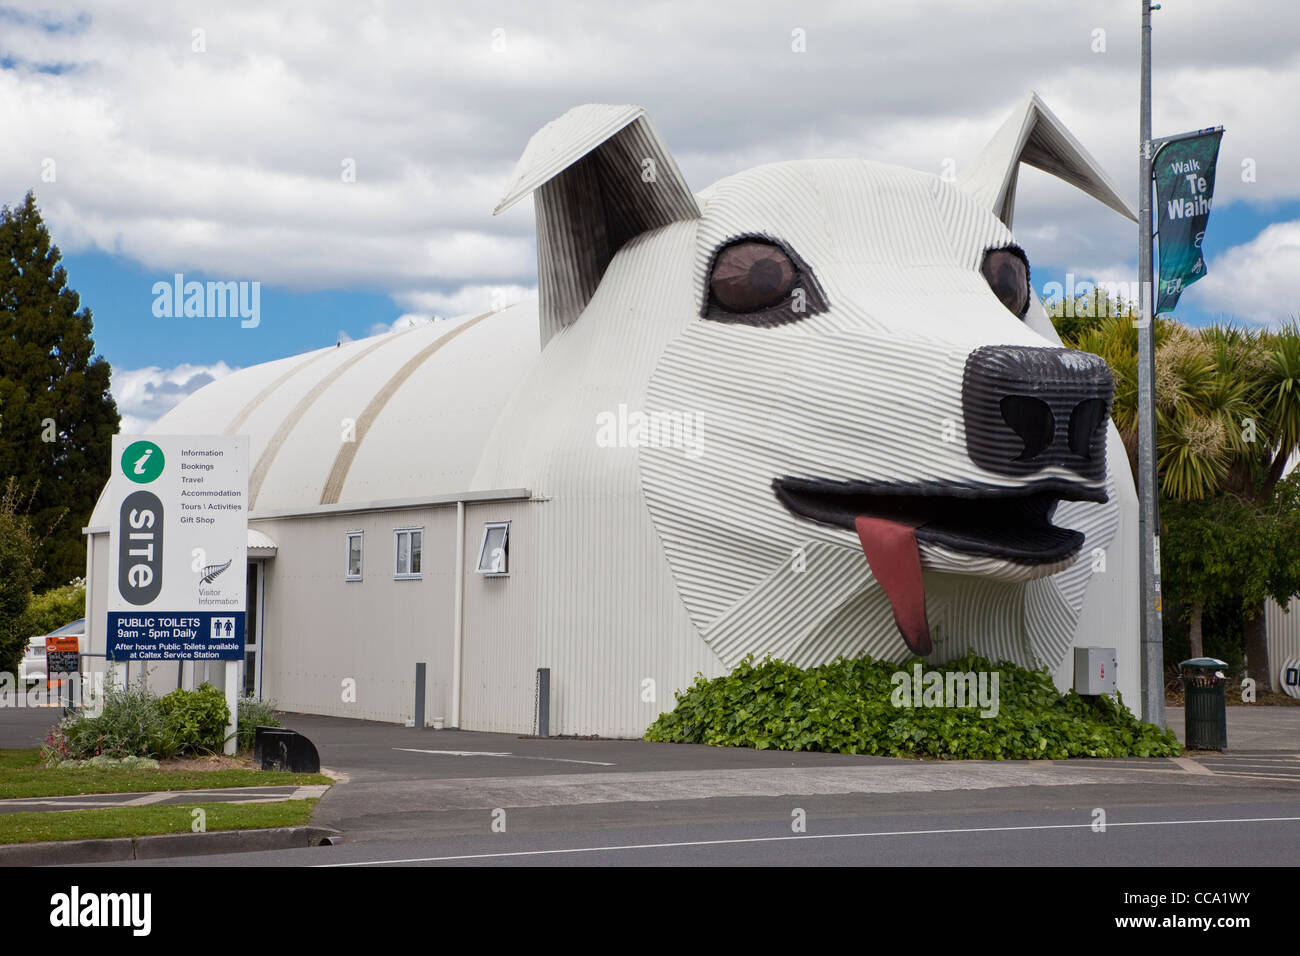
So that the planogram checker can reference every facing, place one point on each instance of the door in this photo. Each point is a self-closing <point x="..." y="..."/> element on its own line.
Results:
<point x="251" y="684"/>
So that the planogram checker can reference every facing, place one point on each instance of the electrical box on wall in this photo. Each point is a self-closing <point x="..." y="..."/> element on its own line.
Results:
<point x="1094" y="670"/>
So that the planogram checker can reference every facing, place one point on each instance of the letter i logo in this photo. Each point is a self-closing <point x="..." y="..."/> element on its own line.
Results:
<point x="142" y="462"/>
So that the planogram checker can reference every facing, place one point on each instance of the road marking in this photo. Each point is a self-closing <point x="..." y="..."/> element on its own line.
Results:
<point x="147" y="799"/>
<point x="489" y="753"/>
<point x="1191" y="766"/>
<point x="807" y="836"/>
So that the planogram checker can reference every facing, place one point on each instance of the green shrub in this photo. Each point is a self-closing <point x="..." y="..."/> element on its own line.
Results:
<point x="135" y="723"/>
<point x="254" y="713"/>
<point x="54" y="608"/>
<point x="195" y="720"/>
<point x="848" y="707"/>
<point x="131" y="724"/>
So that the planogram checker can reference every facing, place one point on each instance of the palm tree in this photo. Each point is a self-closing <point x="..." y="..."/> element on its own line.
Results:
<point x="1227" y="420"/>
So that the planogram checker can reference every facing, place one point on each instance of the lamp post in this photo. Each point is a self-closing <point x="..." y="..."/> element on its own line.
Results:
<point x="1153" y="667"/>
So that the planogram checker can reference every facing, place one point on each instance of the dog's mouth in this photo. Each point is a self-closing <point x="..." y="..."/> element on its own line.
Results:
<point x="892" y="520"/>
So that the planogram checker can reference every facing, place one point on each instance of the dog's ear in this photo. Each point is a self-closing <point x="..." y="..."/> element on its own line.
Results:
<point x="600" y="175"/>
<point x="1033" y="135"/>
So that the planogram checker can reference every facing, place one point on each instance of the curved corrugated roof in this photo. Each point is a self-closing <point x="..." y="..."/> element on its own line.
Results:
<point x="421" y="403"/>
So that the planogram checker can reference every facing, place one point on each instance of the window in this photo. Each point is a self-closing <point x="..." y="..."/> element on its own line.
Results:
<point x="354" y="556"/>
<point x="494" y="554"/>
<point x="408" y="547"/>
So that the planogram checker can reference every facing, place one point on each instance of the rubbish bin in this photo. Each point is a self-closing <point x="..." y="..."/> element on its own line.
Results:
<point x="1206" y="713"/>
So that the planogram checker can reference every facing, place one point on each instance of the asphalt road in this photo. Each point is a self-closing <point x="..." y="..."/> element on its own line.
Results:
<point x="1256" y="832"/>
<point x="442" y="797"/>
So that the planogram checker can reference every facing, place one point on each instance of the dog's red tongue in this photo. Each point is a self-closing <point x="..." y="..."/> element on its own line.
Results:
<point x="895" y="561"/>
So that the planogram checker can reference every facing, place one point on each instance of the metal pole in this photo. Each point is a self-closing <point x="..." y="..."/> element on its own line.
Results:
<point x="543" y="702"/>
<point x="231" y="683"/>
<point x="1153" y="667"/>
<point x="419" y="696"/>
<point x="458" y="619"/>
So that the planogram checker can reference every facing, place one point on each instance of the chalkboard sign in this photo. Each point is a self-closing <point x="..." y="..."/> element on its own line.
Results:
<point x="61" y="656"/>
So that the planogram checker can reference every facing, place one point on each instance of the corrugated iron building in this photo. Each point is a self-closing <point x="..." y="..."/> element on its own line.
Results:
<point x="449" y="429"/>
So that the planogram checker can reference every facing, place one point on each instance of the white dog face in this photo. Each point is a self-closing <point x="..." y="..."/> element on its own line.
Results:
<point x="886" y="439"/>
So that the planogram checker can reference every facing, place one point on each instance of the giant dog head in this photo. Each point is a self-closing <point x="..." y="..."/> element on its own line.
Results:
<point x="886" y="447"/>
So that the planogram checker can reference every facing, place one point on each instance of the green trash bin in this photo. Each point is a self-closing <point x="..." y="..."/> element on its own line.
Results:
<point x="1206" y="713"/>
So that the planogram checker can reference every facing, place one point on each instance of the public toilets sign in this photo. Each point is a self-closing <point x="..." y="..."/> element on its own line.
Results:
<point x="177" y="548"/>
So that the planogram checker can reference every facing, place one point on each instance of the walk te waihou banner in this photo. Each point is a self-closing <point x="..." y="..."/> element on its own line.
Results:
<point x="1184" y="174"/>
<point x="177" y="548"/>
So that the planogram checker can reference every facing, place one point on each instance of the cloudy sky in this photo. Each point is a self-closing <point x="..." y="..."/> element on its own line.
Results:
<point x="347" y="155"/>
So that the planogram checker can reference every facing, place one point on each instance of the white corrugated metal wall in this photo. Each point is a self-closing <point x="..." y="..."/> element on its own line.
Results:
<point x="1283" y="636"/>
<point x="321" y="630"/>
<point x="499" y="656"/>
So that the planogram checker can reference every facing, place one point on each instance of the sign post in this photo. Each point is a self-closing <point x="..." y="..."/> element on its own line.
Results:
<point x="1152" y="638"/>
<point x="178" y="542"/>
<point x="1184" y="178"/>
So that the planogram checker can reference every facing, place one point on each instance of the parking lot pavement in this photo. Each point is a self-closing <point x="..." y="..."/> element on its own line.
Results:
<point x="372" y="750"/>
<point x="22" y="728"/>
<point x="406" y="784"/>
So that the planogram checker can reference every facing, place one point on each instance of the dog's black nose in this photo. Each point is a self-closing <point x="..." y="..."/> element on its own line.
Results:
<point x="1028" y="408"/>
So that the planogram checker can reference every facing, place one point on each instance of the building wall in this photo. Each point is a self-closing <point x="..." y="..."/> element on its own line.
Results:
<point x="499" y="655"/>
<point x="1111" y="612"/>
<point x="322" y="631"/>
<point x="612" y="628"/>
<point x="1283" y="637"/>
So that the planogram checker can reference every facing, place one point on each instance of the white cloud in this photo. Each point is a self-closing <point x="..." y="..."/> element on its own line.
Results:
<point x="144" y="395"/>
<point x="1256" y="282"/>
<point x="230" y="161"/>
<point x="467" y="300"/>
<point x="407" y="321"/>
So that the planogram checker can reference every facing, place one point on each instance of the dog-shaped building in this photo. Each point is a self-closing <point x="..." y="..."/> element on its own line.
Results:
<point x="814" y="411"/>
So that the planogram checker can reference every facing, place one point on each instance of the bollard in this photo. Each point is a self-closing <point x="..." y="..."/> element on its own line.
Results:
<point x="543" y="702"/>
<point x="419" y="696"/>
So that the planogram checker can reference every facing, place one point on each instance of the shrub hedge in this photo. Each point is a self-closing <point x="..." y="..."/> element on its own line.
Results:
<point x="135" y="723"/>
<point x="850" y="706"/>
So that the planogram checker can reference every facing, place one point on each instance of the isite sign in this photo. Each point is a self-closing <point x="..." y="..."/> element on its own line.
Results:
<point x="177" y="548"/>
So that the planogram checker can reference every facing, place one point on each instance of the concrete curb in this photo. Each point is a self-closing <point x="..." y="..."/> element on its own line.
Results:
<point x="118" y="849"/>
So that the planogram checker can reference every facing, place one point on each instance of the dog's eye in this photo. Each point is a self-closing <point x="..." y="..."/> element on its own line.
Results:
<point x="757" y="281"/>
<point x="749" y="276"/>
<point x="1007" y="272"/>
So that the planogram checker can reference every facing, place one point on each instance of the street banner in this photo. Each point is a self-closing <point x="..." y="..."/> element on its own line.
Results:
<point x="178" y="541"/>
<point x="1184" y="174"/>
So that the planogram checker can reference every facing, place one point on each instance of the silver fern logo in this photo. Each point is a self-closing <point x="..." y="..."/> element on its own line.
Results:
<point x="213" y="571"/>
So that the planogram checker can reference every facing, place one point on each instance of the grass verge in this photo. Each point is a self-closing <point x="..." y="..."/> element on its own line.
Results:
<point x="145" y="821"/>
<point x="23" y="775"/>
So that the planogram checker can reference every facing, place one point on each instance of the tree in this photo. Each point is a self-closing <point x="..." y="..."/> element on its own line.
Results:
<point x="1227" y="422"/>
<point x="19" y="547"/>
<point x="57" y="418"/>
<point x="1225" y="550"/>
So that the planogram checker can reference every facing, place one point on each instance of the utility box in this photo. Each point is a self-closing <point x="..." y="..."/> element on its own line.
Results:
<point x="1094" y="671"/>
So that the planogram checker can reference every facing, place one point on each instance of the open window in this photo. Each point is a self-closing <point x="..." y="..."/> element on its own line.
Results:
<point x="494" y="553"/>
<point x="354" y="556"/>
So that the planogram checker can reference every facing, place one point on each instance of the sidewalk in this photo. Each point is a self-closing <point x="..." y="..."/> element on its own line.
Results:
<point x="1251" y="727"/>
<point x="102" y="801"/>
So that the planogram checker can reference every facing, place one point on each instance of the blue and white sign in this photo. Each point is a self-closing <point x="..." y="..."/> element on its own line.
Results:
<point x="178" y="548"/>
